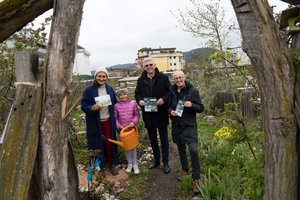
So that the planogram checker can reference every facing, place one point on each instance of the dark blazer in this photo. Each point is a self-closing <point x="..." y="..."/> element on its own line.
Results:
<point x="184" y="128"/>
<point x="158" y="87"/>
<point x="93" y="125"/>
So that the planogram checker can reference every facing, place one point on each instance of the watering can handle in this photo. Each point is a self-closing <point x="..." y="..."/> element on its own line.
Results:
<point x="130" y="127"/>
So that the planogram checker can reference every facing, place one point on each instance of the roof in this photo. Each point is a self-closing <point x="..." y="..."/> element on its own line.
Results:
<point x="293" y="2"/>
<point x="157" y="49"/>
<point x="287" y="15"/>
<point x="133" y="78"/>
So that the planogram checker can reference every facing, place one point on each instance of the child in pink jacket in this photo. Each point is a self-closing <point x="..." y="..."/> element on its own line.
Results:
<point x="127" y="114"/>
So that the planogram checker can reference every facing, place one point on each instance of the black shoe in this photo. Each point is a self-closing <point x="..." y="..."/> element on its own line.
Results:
<point x="114" y="171"/>
<point x="154" y="165"/>
<point x="166" y="168"/>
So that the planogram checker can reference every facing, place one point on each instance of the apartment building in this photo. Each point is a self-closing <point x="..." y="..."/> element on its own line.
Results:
<point x="166" y="59"/>
<point x="82" y="62"/>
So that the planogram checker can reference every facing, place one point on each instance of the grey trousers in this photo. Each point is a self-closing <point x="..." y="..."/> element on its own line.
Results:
<point x="131" y="157"/>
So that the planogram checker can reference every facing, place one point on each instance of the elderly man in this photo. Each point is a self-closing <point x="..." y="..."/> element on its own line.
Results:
<point x="184" y="104"/>
<point x="152" y="94"/>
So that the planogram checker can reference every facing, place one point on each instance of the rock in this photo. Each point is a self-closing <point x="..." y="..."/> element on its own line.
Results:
<point x="210" y="119"/>
<point x="119" y="181"/>
<point x="100" y="189"/>
<point x="82" y="177"/>
<point x="120" y="190"/>
<point x="106" y="195"/>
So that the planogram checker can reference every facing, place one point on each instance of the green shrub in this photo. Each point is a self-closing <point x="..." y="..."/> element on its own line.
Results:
<point x="232" y="168"/>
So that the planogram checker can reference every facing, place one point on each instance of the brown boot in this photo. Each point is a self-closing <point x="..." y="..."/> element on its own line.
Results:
<point x="182" y="174"/>
<point x="196" y="186"/>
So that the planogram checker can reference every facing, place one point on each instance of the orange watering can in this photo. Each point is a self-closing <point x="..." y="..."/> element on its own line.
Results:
<point x="129" y="138"/>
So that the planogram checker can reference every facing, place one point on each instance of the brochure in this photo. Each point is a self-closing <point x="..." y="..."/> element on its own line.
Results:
<point x="103" y="100"/>
<point x="179" y="108"/>
<point x="150" y="104"/>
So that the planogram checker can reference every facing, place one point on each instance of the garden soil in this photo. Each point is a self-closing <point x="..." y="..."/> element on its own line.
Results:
<point x="160" y="185"/>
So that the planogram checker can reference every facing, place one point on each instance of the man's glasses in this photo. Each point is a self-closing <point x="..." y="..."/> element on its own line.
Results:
<point x="177" y="78"/>
<point x="148" y="65"/>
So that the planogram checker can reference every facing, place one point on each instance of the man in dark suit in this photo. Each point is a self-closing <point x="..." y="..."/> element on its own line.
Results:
<point x="152" y="93"/>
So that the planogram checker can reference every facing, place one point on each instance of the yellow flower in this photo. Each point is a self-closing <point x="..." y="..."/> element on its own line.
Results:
<point x="223" y="133"/>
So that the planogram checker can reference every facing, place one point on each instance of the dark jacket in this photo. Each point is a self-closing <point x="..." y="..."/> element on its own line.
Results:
<point x="158" y="87"/>
<point x="93" y="125"/>
<point x="184" y="128"/>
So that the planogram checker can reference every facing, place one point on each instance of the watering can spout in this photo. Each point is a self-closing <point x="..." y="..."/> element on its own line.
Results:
<point x="121" y="144"/>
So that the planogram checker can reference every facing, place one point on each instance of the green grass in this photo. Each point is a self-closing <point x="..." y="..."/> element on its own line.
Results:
<point x="76" y="121"/>
<point x="137" y="185"/>
<point x="184" y="188"/>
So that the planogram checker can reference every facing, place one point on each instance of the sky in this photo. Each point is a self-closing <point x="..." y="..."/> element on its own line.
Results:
<point x="114" y="30"/>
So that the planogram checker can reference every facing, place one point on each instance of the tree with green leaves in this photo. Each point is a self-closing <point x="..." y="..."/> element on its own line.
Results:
<point x="207" y="21"/>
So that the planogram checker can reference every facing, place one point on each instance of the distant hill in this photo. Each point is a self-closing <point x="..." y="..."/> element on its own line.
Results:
<point x="121" y="66"/>
<point x="188" y="56"/>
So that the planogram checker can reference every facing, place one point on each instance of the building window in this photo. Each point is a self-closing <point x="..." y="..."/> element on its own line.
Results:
<point x="170" y="57"/>
<point x="174" y="64"/>
<point x="174" y="57"/>
<point x="170" y="64"/>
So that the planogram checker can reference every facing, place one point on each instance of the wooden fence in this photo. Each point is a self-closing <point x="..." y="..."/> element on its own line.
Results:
<point x="243" y="97"/>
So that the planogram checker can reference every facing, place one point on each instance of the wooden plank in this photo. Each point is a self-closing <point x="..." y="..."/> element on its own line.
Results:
<point x="27" y="59"/>
<point x="20" y="140"/>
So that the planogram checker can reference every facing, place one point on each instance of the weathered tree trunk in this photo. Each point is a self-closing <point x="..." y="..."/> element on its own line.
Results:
<point x="15" y="14"/>
<point x="18" y="151"/>
<point x="294" y="46"/>
<point x="276" y="78"/>
<point x="58" y="174"/>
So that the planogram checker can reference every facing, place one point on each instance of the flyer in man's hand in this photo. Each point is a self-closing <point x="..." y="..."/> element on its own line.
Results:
<point x="179" y="108"/>
<point x="150" y="104"/>
<point x="103" y="100"/>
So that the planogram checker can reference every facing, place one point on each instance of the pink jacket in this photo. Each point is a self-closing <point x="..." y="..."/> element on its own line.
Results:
<point x="126" y="112"/>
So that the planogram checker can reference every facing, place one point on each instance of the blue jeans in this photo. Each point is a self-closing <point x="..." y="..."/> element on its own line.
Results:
<point x="163" y="135"/>
<point x="193" y="149"/>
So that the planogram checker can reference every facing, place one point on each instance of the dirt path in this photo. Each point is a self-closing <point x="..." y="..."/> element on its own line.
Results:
<point x="160" y="185"/>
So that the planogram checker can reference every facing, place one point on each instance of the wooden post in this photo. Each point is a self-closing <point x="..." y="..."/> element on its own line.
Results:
<point x="20" y="137"/>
